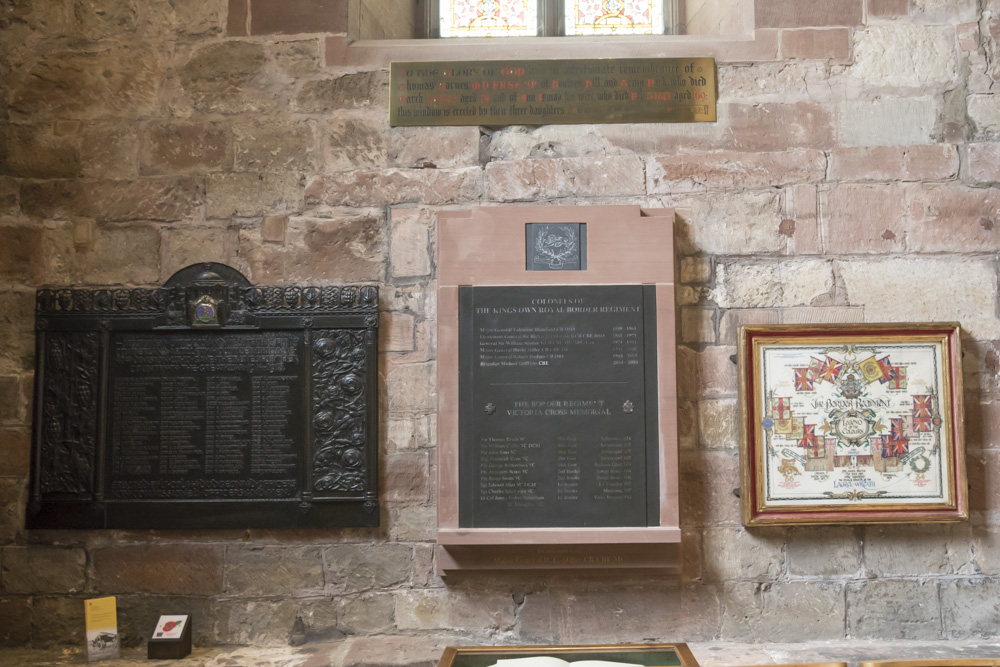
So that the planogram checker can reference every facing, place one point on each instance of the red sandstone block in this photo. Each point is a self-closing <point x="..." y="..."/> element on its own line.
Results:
<point x="967" y="34"/>
<point x="290" y="17"/>
<point x="734" y="170"/>
<point x="878" y="163"/>
<point x="763" y="47"/>
<point x="273" y="228"/>
<point x="180" y="569"/>
<point x="525" y="180"/>
<point x="813" y="43"/>
<point x="984" y="483"/>
<point x="15" y="448"/>
<point x="982" y="422"/>
<point x="984" y="162"/>
<point x="864" y="218"/>
<point x="687" y="373"/>
<point x="236" y="19"/>
<point x="394" y="186"/>
<point x="22" y="253"/>
<point x="935" y="162"/>
<point x="953" y="218"/>
<point x="716" y="371"/>
<point x="171" y="148"/>
<point x="803" y="228"/>
<point x="734" y="318"/>
<point x="981" y="370"/>
<point x="776" y="127"/>
<point x="109" y="200"/>
<point x="11" y="399"/>
<point x="707" y="483"/>
<point x="406" y="477"/>
<point x="798" y="13"/>
<point x="888" y="8"/>
<point x="894" y="163"/>
<point x="822" y="315"/>
<point x="697" y="325"/>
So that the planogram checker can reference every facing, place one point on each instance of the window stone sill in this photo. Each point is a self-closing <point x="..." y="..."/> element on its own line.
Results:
<point x="762" y="46"/>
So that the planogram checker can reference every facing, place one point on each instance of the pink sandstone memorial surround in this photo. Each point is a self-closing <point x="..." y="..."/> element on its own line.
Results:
<point x="626" y="245"/>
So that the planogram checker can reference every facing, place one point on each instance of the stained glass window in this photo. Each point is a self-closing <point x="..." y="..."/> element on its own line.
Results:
<point x="614" y="17"/>
<point x="488" y="18"/>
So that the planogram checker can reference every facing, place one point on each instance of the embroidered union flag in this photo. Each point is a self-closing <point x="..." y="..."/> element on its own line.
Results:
<point x="808" y="436"/>
<point x="896" y="443"/>
<point x="885" y="366"/>
<point x="803" y="379"/>
<point x="922" y="413"/>
<point x="830" y="369"/>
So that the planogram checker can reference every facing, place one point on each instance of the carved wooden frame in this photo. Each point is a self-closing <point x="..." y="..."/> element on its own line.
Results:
<point x="759" y="422"/>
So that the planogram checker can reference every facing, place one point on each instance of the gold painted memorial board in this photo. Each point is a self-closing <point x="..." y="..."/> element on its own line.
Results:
<point x="553" y="92"/>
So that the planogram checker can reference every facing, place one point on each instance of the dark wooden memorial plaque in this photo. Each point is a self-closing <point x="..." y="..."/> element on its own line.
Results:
<point x="558" y="411"/>
<point x="207" y="403"/>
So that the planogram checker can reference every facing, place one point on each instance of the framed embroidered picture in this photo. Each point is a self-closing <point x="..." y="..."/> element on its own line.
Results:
<point x="851" y="424"/>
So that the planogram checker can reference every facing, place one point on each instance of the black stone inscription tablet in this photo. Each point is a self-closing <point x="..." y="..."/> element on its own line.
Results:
<point x="558" y="413"/>
<point x="207" y="403"/>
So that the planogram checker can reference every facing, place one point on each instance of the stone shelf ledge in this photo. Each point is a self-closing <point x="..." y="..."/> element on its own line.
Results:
<point x="599" y="536"/>
<point x="400" y="651"/>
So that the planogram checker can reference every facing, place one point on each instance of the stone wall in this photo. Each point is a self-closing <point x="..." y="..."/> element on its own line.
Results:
<point x="851" y="177"/>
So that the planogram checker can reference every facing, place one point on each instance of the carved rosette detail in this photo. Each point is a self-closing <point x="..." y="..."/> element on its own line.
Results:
<point x="340" y="416"/>
<point x="169" y="300"/>
<point x="70" y="407"/>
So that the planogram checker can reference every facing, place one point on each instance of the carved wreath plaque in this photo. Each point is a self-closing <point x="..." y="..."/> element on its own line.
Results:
<point x="206" y="403"/>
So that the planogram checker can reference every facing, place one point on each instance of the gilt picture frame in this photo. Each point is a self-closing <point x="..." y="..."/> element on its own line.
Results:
<point x="859" y="423"/>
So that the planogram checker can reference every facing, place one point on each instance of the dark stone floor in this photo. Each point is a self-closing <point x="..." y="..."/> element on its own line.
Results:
<point x="395" y="651"/>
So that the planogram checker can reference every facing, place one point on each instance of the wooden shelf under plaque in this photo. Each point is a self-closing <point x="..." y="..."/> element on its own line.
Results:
<point x="557" y="402"/>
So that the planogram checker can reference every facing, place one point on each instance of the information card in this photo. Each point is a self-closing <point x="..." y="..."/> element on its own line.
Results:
<point x="101" y="620"/>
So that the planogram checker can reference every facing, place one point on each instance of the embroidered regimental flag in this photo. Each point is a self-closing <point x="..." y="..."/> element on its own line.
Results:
<point x="922" y="413"/>
<point x="829" y="370"/>
<point x="898" y="378"/>
<point x="818" y="450"/>
<point x="815" y="365"/>
<point x="781" y="408"/>
<point x="870" y="369"/>
<point x="803" y="379"/>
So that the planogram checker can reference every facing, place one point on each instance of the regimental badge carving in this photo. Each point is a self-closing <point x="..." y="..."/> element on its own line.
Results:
<point x="69" y="407"/>
<point x="340" y="417"/>
<point x="556" y="247"/>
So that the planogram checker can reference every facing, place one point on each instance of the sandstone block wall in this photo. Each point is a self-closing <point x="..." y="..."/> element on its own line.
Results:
<point x="852" y="176"/>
